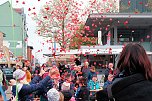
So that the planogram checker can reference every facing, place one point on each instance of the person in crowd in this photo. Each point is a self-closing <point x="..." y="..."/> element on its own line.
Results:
<point x="61" y="68"/>
<point x="78" y="72"/>
<point x="134" y="82"/>
<point x="3" y="86"/>
<point x="77" y="62"/>
<point x="94" y="84"/>
<point x="67" y="95"/>
<point x="66" y="84"/>
<point x="109" y="70"/>
<point x="76" y="86"/>
<point x="108" y="82"/>
<point x="28" y="74"/>
<point x="85" y="70"/>
<point x="82" y="93"/>
<point x="46" y="69"/>
<point x="53" y="95"/>
<point x="92" y="72"/>
<point x="61" y="97"/>
<point x="23" y="88"/>
<point x="62" y="79"/>
<point x="55" y="75"/>
<point x="37" y="70"/>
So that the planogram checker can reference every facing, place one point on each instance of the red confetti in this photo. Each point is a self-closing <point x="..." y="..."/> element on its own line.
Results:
<point x="25" y="39"/>
<point x="45" y="17"/>
<point x="47" y="8"/>
<point x="148" y="36"/>
<point x="140" y="3"/>
<point x="17" y="1"/>
<point x="126" y="22"/>
<point x="29" y="9"/>
<point x="129" y="2"/>
<point x="23" y="2"/>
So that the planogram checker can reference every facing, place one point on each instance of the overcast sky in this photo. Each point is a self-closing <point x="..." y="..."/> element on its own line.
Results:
<point x="33" y="40"/>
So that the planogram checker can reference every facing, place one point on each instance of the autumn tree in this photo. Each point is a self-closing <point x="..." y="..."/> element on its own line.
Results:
<point x="93" y="6"/>
<point x="80" y="39"/>
<point x="59" y="19"/>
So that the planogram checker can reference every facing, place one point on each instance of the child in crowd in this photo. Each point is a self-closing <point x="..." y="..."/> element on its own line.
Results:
<point x="94" y="84"/>
<point x="82" y="93"/>
<point x="28" y="74"/>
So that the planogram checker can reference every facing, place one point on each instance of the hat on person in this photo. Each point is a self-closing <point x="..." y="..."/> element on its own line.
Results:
<point x="65" y="86"/>
<point x="19" y="74"/>
<point x="53" y="95"/>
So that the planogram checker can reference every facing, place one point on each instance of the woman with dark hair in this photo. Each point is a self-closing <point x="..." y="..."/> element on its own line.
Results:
<point x="134" y="80"/>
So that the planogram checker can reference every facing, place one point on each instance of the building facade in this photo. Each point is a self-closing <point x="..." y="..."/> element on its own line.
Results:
<point x="13" y="24"/>
<point x="135" y="6"/>
<point x="133" y="24"/>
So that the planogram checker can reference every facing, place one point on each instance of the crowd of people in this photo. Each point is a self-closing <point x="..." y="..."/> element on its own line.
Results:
<point x="129" y="81"/>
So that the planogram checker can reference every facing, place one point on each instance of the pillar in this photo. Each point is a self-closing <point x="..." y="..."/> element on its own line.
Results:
<point x="99" y="37"/>
<point x="115" y="35"/>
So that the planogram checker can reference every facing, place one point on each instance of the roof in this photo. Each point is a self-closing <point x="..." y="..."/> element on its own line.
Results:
<point x="121" y="15"/>
<point x="102" y="47"/>
<point x="18" y="10"/>
<point x="103" y="22"/>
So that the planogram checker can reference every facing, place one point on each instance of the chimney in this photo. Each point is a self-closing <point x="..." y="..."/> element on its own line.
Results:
<point x="1" y="40"/>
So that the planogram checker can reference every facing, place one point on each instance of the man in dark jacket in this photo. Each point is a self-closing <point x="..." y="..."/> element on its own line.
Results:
<point x="131" y="88"/>
<point x="24" y="91"/>
<point x="109" y="70"/>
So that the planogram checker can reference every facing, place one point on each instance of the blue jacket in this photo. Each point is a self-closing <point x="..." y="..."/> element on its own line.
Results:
<point x="106" y="84"/>
<point x="25" y="90"/>
<point x="82" y="94"/>
<point x="93" y="85"/>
